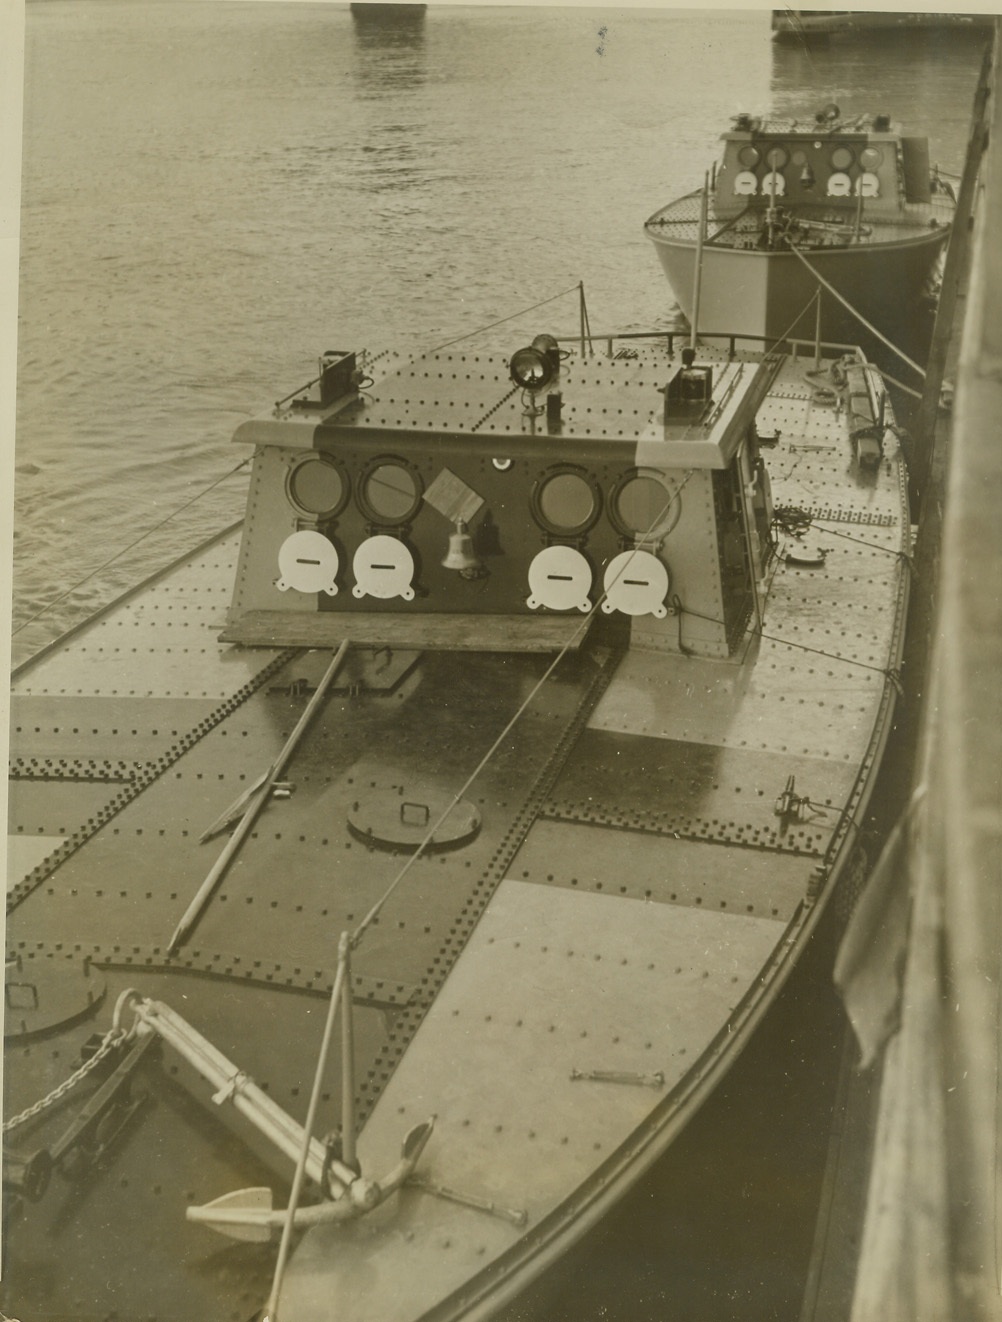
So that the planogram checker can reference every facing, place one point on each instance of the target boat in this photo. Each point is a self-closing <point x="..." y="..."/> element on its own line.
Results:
<point x="850" y="208"/>
<point x="395" y="876"/>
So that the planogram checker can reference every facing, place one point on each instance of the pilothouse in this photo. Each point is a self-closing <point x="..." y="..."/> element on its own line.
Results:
<point x="498" y="498"/>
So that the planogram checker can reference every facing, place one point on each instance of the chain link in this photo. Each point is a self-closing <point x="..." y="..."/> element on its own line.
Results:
<point x="110" y="1040"/>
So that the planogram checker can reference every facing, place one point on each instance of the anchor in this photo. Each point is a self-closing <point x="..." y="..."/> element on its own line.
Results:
<point x="248" y="1214"/>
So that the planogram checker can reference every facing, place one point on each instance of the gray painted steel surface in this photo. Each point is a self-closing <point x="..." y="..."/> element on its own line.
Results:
<point x="629" y="905"/>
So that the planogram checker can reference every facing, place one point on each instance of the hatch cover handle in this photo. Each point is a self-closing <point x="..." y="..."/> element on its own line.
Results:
<point x="415" y="814"/>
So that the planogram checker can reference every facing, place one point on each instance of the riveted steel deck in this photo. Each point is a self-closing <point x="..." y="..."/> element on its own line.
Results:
<point x="629" y="903"/>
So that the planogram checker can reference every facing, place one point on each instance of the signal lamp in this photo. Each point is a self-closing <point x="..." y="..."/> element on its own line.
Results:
<point x="532" y="369"/>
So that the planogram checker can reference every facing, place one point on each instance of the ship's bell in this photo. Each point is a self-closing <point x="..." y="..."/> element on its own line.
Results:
<point x="460" y="554"/>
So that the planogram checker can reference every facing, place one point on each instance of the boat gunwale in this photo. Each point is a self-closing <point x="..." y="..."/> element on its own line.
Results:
<point x="926" y="230"/>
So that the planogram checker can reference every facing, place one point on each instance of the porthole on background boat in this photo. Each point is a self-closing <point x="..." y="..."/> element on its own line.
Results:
<point x="390" y="491"/>
<point x="777" y="157"/>
<point x="871" y="157"/>
<point x="316" y="487"/>
<point x="841" y="158"/>
<point x="644" y="505"/>
<point x="565" y="501"/>
<point x="749" y="156"/>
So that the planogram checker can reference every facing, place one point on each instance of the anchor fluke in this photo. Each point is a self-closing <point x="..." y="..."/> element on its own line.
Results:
<point x="241" y="1214"/>
<point x="249" y="1214"/>
<point x="415" y="1140"/>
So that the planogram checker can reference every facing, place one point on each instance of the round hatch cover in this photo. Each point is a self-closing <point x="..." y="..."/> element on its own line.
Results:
<point x="401" y="818"/>
<point x="42" y="995"/>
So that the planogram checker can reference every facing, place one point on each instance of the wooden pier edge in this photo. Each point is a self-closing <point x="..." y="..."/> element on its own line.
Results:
<point x="910" y="1223"/>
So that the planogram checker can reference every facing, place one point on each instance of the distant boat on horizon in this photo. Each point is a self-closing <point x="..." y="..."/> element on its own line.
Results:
<point x="797" y="24"/>
<point x="386" y="9"/>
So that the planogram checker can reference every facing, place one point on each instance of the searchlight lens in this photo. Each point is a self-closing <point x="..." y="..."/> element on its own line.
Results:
<point x="530" y="369"/>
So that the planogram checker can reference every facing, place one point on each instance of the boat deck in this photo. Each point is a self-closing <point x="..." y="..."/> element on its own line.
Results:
<point x="630" y="903"/>
<point x="814" y="227"/>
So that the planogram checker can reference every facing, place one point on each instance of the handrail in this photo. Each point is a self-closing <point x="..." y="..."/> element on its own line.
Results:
<point x="767" y="342"/>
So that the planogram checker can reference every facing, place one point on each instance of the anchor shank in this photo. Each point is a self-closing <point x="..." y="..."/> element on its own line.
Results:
<point x="232" y="1085"/>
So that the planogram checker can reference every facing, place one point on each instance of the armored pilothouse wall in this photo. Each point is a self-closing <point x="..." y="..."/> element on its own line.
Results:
<point x="450" y="506"/>
<point x="832" y="163"/>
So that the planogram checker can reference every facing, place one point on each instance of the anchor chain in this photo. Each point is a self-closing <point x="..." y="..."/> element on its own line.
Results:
<point x="111" y="1039"/>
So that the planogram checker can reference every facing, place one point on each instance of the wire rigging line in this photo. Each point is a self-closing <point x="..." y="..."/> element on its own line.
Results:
<point x="888" y="672"/>
<point x="857" y="314"/>
<point x="811" y="302"/>
<point x="859" y="541"/>
<point x="585" y="621"/>
<point x="131" y="546"/>
<point x="641" y="540"/>
<point x="574" y="289"/>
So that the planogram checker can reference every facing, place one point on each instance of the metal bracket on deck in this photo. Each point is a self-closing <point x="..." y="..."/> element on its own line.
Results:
<point x="515" y="1216"/>
<point x="794" y="807"/>
<point x="620" y="1076"/>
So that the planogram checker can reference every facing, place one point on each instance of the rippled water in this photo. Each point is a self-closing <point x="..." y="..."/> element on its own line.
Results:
<point x="215" y="192"/>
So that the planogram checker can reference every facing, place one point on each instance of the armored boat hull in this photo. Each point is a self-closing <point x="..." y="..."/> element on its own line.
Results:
<point x="577" y="846"/>
<point x="845" y="211"/>
<point x="770" y="294"/>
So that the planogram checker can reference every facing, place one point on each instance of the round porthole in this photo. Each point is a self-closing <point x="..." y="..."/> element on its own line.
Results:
<point x="871" y="158"/>
<point x="389" y="491"/>
<point x="841" y="158"/>
<point x="317" y="487"/>
<point x="776" y="157"/>
<point x="749" y="156"/>
<point x="566" y="502"/>
<point x="644" y="504"/>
